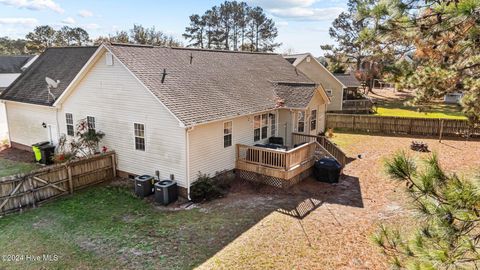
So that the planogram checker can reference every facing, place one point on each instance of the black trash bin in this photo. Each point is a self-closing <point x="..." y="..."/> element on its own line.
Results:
<point x="166" y="192"/>
<point x="327" y="170"/>
<point x="144" y="185"/>
<point x="44" y="152"/>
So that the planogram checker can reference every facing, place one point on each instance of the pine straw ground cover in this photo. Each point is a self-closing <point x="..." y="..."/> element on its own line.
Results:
<point x="311" y="226"/>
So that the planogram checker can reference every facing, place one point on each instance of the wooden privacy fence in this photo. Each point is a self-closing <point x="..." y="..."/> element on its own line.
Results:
<point x="37" y="187"/>
<point x="401" y="125"/>
<point x="332" y="148"/>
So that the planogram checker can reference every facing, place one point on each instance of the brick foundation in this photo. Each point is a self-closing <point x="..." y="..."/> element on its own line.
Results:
<point x="21" y="146"/>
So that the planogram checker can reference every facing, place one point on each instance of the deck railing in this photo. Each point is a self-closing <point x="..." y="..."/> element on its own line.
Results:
<point x="276" y="159"/>
<point x="328" y="145"/>
<point x="358" y="105"/>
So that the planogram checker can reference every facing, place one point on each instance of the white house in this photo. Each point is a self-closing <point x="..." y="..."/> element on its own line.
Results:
<point x="11" y="66"/>
<point x="176" y="110"/>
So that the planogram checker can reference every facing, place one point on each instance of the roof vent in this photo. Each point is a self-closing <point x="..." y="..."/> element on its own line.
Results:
<point x="191" y="58"/>
<point x="164" y="74"/>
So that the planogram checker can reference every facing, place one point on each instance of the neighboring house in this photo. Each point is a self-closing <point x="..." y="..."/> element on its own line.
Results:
<point x="10" y="68"/>
<point x="310" y="66"/>
<point x="453" y="98"/>
<point x="176" y="110"/>
<point x="350" y="84"/>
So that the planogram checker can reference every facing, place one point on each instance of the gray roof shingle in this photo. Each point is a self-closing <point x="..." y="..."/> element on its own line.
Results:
<point x="349" y="80"/>
<point x="295" y="95"/>
<point x="13" y="63"/>
<point x="61" y="63"/>
<point x="215" y="85"/>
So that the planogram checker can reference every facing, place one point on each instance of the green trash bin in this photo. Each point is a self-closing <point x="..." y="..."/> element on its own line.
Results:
<point x="43" y="152"/>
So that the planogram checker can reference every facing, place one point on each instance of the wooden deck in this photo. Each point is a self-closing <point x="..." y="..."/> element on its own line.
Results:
<point x="358" y="105"/>
<point x="279" y="168"/>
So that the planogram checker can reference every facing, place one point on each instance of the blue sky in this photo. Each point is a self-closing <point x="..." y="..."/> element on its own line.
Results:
<point x="303" y="24"/>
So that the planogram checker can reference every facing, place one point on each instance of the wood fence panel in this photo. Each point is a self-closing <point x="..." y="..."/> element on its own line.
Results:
<point x="39" y="186"/>
<point x="401" y="125"/>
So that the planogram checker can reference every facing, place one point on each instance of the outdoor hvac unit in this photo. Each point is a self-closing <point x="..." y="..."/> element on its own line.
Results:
<point x="144" y="185"/>
<point x="166" y="192"/>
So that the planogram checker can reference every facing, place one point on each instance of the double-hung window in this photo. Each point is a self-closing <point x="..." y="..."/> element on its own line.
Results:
<point x="139" y="132"/>
<point x="301" y="122"/>
<point x="227" y="134"/>
<point x="273" y="125"/>
<point x="260" y="127"/>
<point x="69" y="122"/>
<point x="313" y="120"/>
<point x="91" y="123"/>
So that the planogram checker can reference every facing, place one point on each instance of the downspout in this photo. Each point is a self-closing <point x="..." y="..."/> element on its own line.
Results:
<point x="187" y="159"/>
<point x="8" y="125"/>
<point x="58" y="124"/>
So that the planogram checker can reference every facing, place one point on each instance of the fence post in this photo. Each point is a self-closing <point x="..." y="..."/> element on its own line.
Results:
<point x="30" y="183"/>
<point x="441" y="130"/>
<point x="70" y="179"/>
<point x="114" y="166"/>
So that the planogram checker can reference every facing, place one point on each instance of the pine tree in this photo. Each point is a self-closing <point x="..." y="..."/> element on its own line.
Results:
<point x="446" y="36"/>
<point x="449" y="224"/>
<point x="232" y="26"/>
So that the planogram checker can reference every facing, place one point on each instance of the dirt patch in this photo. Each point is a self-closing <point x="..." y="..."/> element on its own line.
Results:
<point x="16" y="155"/>
<point x="316" y="225"/>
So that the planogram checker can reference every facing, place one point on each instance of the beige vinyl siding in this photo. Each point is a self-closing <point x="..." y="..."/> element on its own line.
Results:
<point x="207" y="154"/>
<point x="318" y="74"/>
<point x="317" y="103"/>
<point x="3" y="123"/>
<point x="25" y="122"/>
<point x="117" y="100"/>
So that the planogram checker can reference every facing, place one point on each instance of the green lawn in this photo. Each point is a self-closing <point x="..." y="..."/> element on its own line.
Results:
<point x="436" y="110"/>
<point x="109" y="228"/>
<point x="8" y="167"/>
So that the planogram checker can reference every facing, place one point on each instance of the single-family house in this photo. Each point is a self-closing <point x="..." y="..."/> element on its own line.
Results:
<point x="180" y="111"/>
<point x="339" y="87"/>
<point x="11" y="66"/>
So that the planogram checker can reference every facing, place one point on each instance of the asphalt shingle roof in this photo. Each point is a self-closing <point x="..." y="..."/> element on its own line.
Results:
<point x="13" y="63"/>
<point x="61" y="64"/>
<point x="295" y="95"/>
<point x="205" y="85"/>
<point x="348" y="80"/>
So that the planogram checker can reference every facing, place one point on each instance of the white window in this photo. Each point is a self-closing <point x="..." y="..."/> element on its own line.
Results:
<point x="227" y="134"/>
<point x="91" y="123"/>
<point x="69" y="121"/>
<point x="329" y="92"/>
<point x="273" y="125"/>
<point x="139" y="130"/>
<point x="313" y="120"/>
<point x="264" y="126"/>
<point x="260" y="127"/>
<point x="301" y="121"/>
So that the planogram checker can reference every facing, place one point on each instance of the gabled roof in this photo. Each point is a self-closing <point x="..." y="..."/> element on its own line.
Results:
<point x="348" y="79"/>
<point x="60" y="63"/>
<point x="13" y="63"/>
<point x="295" y="95"/>
<point x="205" y="85"/>
<point x="296" y="59"/>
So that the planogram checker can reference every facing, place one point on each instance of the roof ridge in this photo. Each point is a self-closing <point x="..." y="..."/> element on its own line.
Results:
<point x="72" y="47"/>
<point x="189" y="49"/>
<point x="223" y="51"/>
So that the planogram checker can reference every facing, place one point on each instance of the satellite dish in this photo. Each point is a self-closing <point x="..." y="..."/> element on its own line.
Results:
<point x="51" y="84"/>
